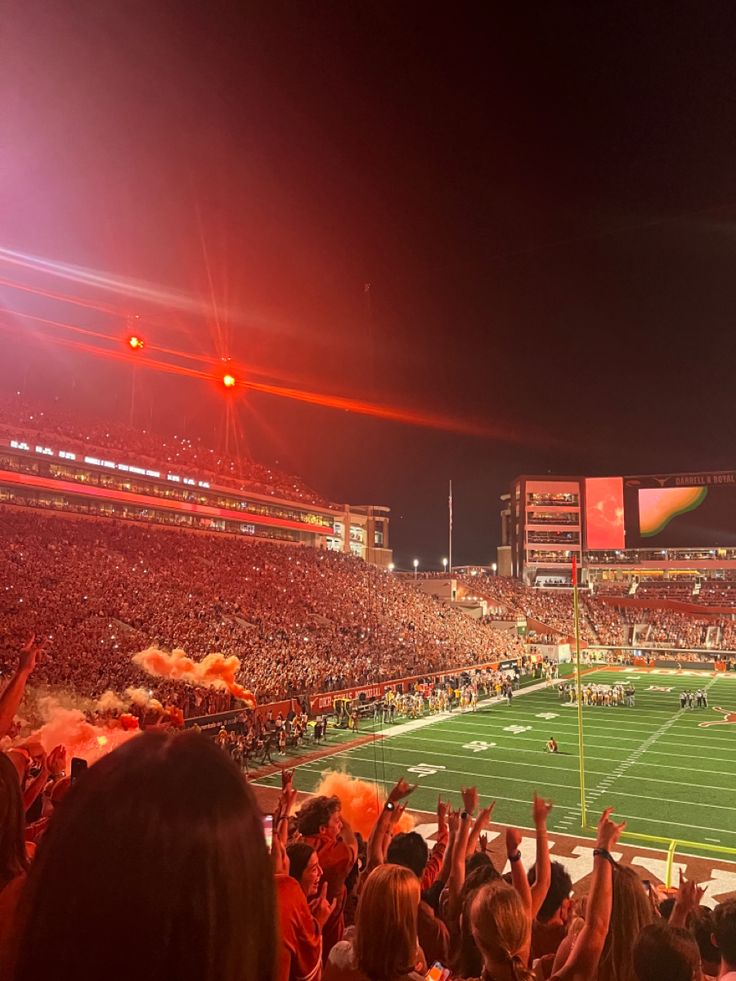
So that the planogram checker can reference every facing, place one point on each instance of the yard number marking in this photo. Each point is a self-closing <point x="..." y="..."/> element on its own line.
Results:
<point x="425" y="769"/>
<point x="478" y="746"/>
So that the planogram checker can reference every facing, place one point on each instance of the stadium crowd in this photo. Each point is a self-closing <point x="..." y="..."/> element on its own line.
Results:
<point x="603" y="621"/>
<point x="300" y="620"/>
<point x="154" y="862"/>
<point x="25" y="419"/>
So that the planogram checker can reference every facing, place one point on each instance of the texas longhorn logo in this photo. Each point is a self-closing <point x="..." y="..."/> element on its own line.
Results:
<point x="729" y="719"/>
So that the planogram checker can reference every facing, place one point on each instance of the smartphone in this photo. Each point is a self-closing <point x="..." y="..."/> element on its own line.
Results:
<point x="437" y="973"/>
<point x="268" y="829"/>
<point x="78" y="767"/>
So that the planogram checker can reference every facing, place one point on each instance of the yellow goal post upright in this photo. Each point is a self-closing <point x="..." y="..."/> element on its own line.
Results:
<point x="579" y="694"/>
<point x="671" y="845"/>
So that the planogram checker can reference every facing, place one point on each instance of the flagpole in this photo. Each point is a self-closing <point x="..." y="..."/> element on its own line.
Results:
<point x="449" y="528"/>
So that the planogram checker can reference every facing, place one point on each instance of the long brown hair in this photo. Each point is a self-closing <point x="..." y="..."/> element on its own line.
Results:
<point x="13" y="861"/>
<point x="386" y="923"/>
<point x="502" y="928"/>
<point x="631" y="911"/>
<point x="155" y="865"/>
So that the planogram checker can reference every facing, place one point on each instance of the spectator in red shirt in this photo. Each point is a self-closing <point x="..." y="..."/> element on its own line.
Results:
<point x="322" y="826"/>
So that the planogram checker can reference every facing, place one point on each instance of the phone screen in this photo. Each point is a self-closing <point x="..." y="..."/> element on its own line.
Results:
<point x="78" y="767"/>
<point x="437" y="973"/>
<point x="268" y="829"/>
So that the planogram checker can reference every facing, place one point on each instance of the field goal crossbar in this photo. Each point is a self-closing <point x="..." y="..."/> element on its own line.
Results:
<point x="672" y="845"/>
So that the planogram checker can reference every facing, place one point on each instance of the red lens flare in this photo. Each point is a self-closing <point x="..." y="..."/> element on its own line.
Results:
<point x="228" y="380"/>
<point x="136" y="343"/>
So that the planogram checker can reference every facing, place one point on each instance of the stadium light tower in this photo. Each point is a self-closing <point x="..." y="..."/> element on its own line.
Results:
<point x="444" y="564"/>
<point x="416" y="566"/>
<point x="135" y="344"/>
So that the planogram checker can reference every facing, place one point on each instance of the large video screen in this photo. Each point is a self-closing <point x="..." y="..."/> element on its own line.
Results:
<point x="604" y="512"/>
<point x="681" y="511"/>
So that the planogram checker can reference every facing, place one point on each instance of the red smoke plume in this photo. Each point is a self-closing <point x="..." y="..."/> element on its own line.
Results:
<point x="213" y="671"/>
<point x="69" y="727"/>
<point x="361" y="801"/>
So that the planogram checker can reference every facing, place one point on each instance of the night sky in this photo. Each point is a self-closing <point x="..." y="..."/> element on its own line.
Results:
<point x="543" y="201"/>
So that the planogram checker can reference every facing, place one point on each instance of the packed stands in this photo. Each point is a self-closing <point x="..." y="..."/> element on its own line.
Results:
<point x="30" y="419"/>
<point x="299" y="619"/>
<point x="604" y="621"/>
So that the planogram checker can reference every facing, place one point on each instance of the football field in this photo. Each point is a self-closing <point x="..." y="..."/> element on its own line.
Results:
<point x="657" y="765"/>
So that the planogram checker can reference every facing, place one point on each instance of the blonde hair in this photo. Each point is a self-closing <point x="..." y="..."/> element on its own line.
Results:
<point x="501" y="927"/>
<point x="386" y="923"/>
<point x="631" y="911"/>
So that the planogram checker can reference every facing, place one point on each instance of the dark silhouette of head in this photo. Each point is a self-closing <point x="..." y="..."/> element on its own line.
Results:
<point x="13" y="859"/>
<point x="410" y="850"/>
<point x="156" y="854"/>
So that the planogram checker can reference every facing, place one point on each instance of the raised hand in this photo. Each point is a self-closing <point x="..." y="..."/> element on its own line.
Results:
<point x="483" y="842"/>
<point x="513" y="840"/>
<point x="29" y="654"/>
<point x="689" y="893"/>
<point x="540" y="809"/>
<point x="470" y="798"/>
<point x="484" y="818"/>
<point x="401" y="790"/>
<point x="442" y="809"/>
<point x="608" y="830"/>
<point x="321" y="909"/>
<point x="453" y="820"/>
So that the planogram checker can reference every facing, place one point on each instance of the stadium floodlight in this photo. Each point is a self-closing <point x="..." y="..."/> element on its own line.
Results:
<point x="391" y="567"/>
<point x="493" y="568"/>
<point x="416" y="566"/>
<point x="136" y="343"/>
<point x="228" y="380"/>
<point x="444" y="564"/>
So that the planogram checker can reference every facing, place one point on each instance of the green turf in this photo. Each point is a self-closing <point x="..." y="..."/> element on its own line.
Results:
<point x="661" y="771"/>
